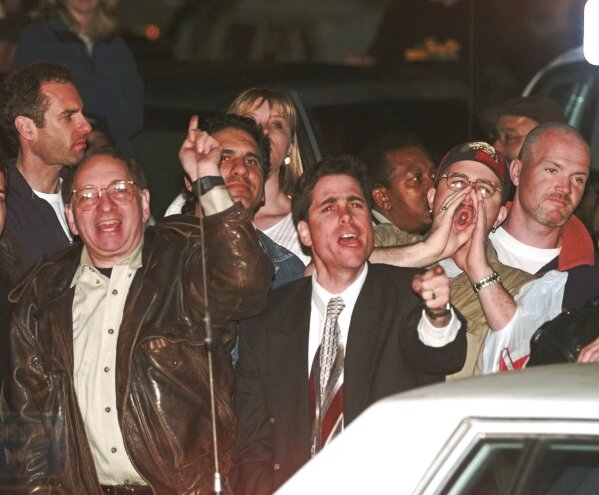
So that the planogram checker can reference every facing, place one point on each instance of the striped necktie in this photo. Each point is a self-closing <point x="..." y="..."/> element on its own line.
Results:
<point x="326" y="381"/>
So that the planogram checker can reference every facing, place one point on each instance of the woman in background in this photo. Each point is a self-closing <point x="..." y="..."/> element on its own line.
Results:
<point x="277" y="116"/>
<point x="81" y="35"/>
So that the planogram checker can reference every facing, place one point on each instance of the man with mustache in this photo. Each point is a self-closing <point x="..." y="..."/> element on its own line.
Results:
<point x="499" y="302"/>
<point x="507" y="305"/>
<point x="540" y="232"/>
<point x="244" y="167"/>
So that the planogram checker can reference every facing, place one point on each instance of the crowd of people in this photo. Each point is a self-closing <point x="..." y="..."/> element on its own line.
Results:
<point x="224" y="346"/>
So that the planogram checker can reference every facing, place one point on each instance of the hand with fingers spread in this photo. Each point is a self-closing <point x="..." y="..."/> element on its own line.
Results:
<point x="433" y="288"/>
<point x="200" y="153"/>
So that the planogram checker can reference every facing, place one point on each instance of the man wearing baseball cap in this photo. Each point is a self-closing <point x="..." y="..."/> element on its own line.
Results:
<point x="471" y="188"/>
<point x="515" y="118"/>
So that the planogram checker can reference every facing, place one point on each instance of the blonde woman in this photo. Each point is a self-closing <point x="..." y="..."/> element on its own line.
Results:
<point x="277" y="116"/>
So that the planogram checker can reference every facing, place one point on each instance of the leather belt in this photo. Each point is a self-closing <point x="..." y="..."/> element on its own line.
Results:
<point x="127" y="490"/>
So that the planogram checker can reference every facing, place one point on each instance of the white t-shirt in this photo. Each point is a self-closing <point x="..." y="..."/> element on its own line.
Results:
<point x="512" y="252"/>
<point x="57" y="204"/>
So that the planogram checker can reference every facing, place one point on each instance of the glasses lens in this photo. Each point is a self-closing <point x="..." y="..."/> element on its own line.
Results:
<point x="457" y="182"/>
<point x="486" y="188"/>
<point x="121" y="191"/>
<point x="86" y="197"/>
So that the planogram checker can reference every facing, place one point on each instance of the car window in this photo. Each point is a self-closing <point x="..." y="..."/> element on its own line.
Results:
<point x="545" y="466"/>
<point x="575" y="88"/>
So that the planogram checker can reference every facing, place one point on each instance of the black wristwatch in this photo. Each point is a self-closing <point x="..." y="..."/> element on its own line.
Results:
<point x="207" y="183"/>
<point x="441" y="314"/>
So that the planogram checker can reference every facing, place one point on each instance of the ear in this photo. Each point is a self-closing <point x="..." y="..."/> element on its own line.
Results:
<point x="381" y="198"/>
<point x="145" y="205"/>
<point x="500" y="216"/>
<point x="25" y="127"/>
<point x="515" y="169"/>
<point x="430" y="196"/>
<point x="304" y="233"/>
<point x="70" y="219"/>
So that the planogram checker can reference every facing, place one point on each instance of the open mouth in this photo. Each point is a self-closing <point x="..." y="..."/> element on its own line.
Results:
<point x="349" y="239"/>
<point x="464" y="215"/>
<point x="108" y="225"/>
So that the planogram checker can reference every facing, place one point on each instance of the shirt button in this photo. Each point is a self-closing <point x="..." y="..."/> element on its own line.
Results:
<point x="277" y="466"/>
<point x="107" y="409"/>
<point x="107" y="369"/>
<point x="111" y="331"/>
<point x="271" y="421"/>
<point x="113" y="450"/>
<point x="115" y="292"/>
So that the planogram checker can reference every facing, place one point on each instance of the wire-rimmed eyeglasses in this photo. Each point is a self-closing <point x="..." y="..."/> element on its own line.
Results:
<point x="457" y="182"/>
<point x="121" y="192"/>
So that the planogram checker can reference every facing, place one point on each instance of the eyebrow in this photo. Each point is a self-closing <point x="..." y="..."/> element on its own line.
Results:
<point x="335" y="199"/>
<point x="247" y="153"/>
<point x="70" y="111"/>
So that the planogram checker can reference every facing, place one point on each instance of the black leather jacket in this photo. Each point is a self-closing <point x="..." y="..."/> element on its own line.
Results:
<point x="162" y="378"/>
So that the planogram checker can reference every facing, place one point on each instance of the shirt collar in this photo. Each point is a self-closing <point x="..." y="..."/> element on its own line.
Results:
<point x="379" y="217"/>
<point x="133" y="261"/>
<point x="321" y="296"/>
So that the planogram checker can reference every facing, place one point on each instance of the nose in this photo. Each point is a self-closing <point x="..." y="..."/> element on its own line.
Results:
<point x="84" y="126"/>
<point x="105" y="203"/>
<point x="345" y="215"/>
<point x="239" y="167"/>
<point x="564" y="184"/>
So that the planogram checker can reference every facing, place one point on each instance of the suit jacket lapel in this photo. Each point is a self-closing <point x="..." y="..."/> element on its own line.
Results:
<point x="361" y="352"/>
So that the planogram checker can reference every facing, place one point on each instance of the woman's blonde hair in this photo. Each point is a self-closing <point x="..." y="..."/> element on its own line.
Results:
<point x="250" y="99"/>
<point x="103" y="23"/>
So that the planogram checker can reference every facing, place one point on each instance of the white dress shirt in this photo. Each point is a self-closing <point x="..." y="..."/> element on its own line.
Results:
<point x="428" y="334"/>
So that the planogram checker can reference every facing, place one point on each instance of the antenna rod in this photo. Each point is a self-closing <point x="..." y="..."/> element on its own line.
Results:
<point x="208" y="340"/>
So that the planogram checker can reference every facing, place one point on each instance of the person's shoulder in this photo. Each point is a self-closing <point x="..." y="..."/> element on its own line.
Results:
<point x="50" y="275"/>
<point x="281" y="299"/>
<point x="36" y="29"/>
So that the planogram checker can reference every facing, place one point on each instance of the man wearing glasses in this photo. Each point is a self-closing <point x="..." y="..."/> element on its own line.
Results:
<point x="109" y="380"/>
<point x="502" y="305"/>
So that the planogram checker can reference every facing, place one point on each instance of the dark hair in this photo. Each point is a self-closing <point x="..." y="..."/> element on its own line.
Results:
<point x="340" y="165"/>
<point x="133" y="166"/>
<point x="245" y="124"/>
<point x="374" y="155"/>
<point x="21" y="94"/>
<point x="532" y="138"/>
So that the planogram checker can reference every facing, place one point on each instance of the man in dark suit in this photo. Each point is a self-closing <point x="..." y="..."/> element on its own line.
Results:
<point x="396" y="331"/>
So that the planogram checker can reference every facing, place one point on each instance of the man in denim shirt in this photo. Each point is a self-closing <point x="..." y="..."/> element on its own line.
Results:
<point x="244" y="166"/>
